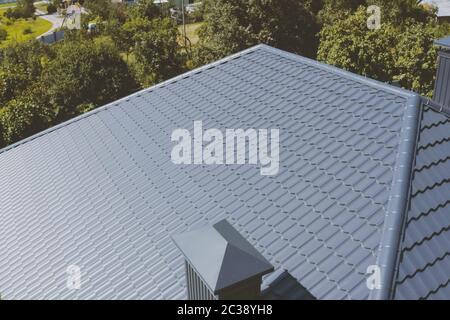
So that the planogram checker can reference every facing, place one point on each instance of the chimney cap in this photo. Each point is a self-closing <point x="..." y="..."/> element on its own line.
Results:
<point x="221" y="256"/>
<point x="443" y="42"/>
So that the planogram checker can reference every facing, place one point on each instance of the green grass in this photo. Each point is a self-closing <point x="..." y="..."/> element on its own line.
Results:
<point x="191" y="32"/>
<point x="16" y="28"/>
<point x="12" y="4"/>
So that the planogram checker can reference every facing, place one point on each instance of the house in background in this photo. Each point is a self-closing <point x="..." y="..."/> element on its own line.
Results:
<point x="363" y="191"/>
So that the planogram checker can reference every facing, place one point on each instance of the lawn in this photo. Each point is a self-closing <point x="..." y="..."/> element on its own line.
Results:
<point x="191" y="32"/>
<point x="17" y="29"/>
<point x="12" y="4"/>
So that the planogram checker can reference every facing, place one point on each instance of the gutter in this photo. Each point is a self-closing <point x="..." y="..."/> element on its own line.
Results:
<point x="394" y="221"/>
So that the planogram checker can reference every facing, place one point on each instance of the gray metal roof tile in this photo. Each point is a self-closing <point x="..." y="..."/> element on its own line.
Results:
<point x="108" y="176"/>
<point x="424" y="265"/>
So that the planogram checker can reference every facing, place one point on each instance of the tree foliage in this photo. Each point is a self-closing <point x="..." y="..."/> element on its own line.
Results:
<point x="23" y="9"/>
<point x="396" y="52"/>
<point x="233" y="25"/>
<point x="26" y="115"/>
<point x="43" y="85"/>
<point x="392" y="11"/>
<point x="21" y="65"/>
<point x="86" y="72"/>
<point x="157" y="52"/>
<point x="146" y="9"/>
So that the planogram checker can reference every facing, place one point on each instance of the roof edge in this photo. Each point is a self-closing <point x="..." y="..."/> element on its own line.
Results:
<point x="370" y="82"/>
<point x="135" y="94"/>
<point x="394" y="220"/>
<point x="343" y="73"/>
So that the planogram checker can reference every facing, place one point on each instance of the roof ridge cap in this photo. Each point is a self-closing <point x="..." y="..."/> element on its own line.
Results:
<point x="344" y="73"/>
<point x="399" y="198"/>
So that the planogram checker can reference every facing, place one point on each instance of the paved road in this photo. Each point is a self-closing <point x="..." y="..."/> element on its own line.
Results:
<point x="55" y="18"/>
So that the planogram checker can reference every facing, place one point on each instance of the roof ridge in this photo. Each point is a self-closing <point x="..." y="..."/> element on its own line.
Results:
<point x="338" y="71"/>
<point x="349" y="75"/>
<point x="399" y="199"/>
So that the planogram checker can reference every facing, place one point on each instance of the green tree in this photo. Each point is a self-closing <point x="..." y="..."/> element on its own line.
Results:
<point x="350" y="45"/>
<point x="395" y="52"/>
<point x="104" y="11"/>
<point x="233" y="25"/>
<point x="157" y="52"/>
<point x="3" y="34"/>
<point x="415" y="57"/>
<point x="24" y="9"/>
<point x="392" y="11"/>
<point x="86" y="73"/>
<point x="125" y="35"/>
<point x="145" y="9"/>
<point x="21" y="65"/>
<point x="25" y="115"/>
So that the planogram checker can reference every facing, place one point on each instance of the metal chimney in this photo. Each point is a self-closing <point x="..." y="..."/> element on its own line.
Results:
<point x="441" y="96"/>
<point x="442" y="84"/>
<point x="221" y="264"/>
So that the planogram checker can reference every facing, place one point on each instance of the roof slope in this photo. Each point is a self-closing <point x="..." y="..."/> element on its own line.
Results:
<point x="100" y="191"/>
<point x="424" y="271"/>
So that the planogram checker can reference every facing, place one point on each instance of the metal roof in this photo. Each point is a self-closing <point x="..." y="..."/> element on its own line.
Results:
<point x="100" y="191"/>
<point x="221" y="255"/>
<point x="443" y="42"/>
<point x="424" y="271"/>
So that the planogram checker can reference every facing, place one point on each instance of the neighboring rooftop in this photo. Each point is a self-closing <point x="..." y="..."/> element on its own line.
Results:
<point x="100" y="191"/>
<point x="444" y="42"/>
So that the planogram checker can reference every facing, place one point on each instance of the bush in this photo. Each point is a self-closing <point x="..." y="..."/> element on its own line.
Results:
<point x="3" y="34"/>
<point x="86" y="74"/>
<point x="24" y="9"/>
<point x="51" y="8"/>
<point x="10" y="13"/>
<point x="27" y="30"/>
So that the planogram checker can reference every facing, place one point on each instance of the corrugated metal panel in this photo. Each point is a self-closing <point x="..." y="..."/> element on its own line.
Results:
<point x="197" y="290"/>
<point x="442" y="85"/>
<point x="101" y="192"/>
<point x="424" y="271"/>
<point x="52" y="37"/>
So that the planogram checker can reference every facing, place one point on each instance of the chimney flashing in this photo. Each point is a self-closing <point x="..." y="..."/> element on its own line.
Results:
<point x="436" y="106"/>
